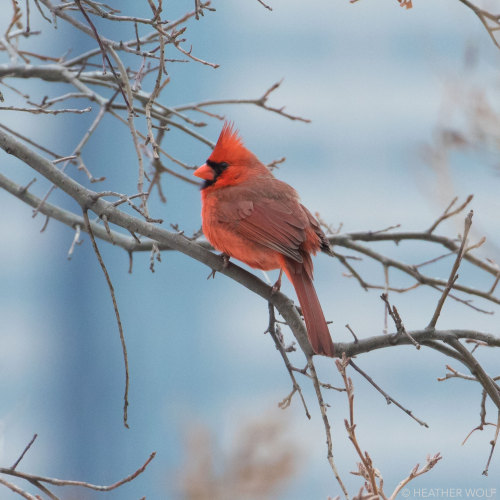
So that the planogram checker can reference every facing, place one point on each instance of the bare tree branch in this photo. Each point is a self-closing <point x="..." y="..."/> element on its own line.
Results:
<point x="66" y="482"/>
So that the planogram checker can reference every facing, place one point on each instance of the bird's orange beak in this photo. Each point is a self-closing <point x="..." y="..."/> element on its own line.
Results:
<point x="205" y="172"/>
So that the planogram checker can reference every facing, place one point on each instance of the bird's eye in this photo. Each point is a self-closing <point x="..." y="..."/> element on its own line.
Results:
<point x="218" y="167"/>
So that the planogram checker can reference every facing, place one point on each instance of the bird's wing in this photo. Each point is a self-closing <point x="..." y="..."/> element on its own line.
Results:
<point x="279" y="224"/>
<point x="323" y="240"/>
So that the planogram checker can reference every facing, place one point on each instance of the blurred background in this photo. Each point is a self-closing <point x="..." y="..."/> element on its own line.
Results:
<point x="396" y="132"/>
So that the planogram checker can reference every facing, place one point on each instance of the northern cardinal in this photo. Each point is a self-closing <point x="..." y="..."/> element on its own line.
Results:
<point x="250" y="215"/>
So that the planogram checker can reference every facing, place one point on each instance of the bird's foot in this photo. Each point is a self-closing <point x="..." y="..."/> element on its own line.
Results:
<point x="277" y="286"/>
<point x="225" y="262"/>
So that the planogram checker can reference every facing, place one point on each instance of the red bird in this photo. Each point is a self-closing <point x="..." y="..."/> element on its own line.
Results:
<point x="250" y="215"/>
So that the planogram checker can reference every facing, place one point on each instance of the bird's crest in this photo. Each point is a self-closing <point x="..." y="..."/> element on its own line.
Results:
<point x="229" y="144"/>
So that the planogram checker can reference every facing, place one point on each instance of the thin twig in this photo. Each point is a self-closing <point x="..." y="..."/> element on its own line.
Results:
<point x="493" y="443"/>
<point x="453" y="274"/>
<point x="82" y="484"/>
<point x="281" y="348"/>
<point x="154" y="95"/>
<point x="265" y="5"/>
<point x="482" y="416"/>
<point x="28" y="446"/>
<point x="38" y="111"/>
<point x="117" y="314"/>
<point x="155" y="254"/>
<point x="78" y="150"/>
<point x="476" y="369"/>
<point x="130" y="120"/>
<point x="389" y="399"/>
<point x="447" y="213"/>
<point x="326" y="423"/>
<point x="76" y="241"/>
<point x="103" y="52"/>
<point x="398" y="322"/>
<point x="352" y="332"/>
<point x="368" y="469"/>
<point x="484" y="16"/>
<point x="351" y="269"/>
<point x="430" y="463"/>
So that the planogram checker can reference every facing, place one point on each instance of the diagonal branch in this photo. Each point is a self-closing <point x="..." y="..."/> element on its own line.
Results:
<point x="453" y="274"/>
<point x="389" y="399"/>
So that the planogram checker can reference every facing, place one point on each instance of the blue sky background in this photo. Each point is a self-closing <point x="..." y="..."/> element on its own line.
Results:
<point x="373" y="78"/>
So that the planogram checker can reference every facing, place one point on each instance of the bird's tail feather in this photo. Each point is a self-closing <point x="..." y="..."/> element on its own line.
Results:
<point x="317" y="329"/>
